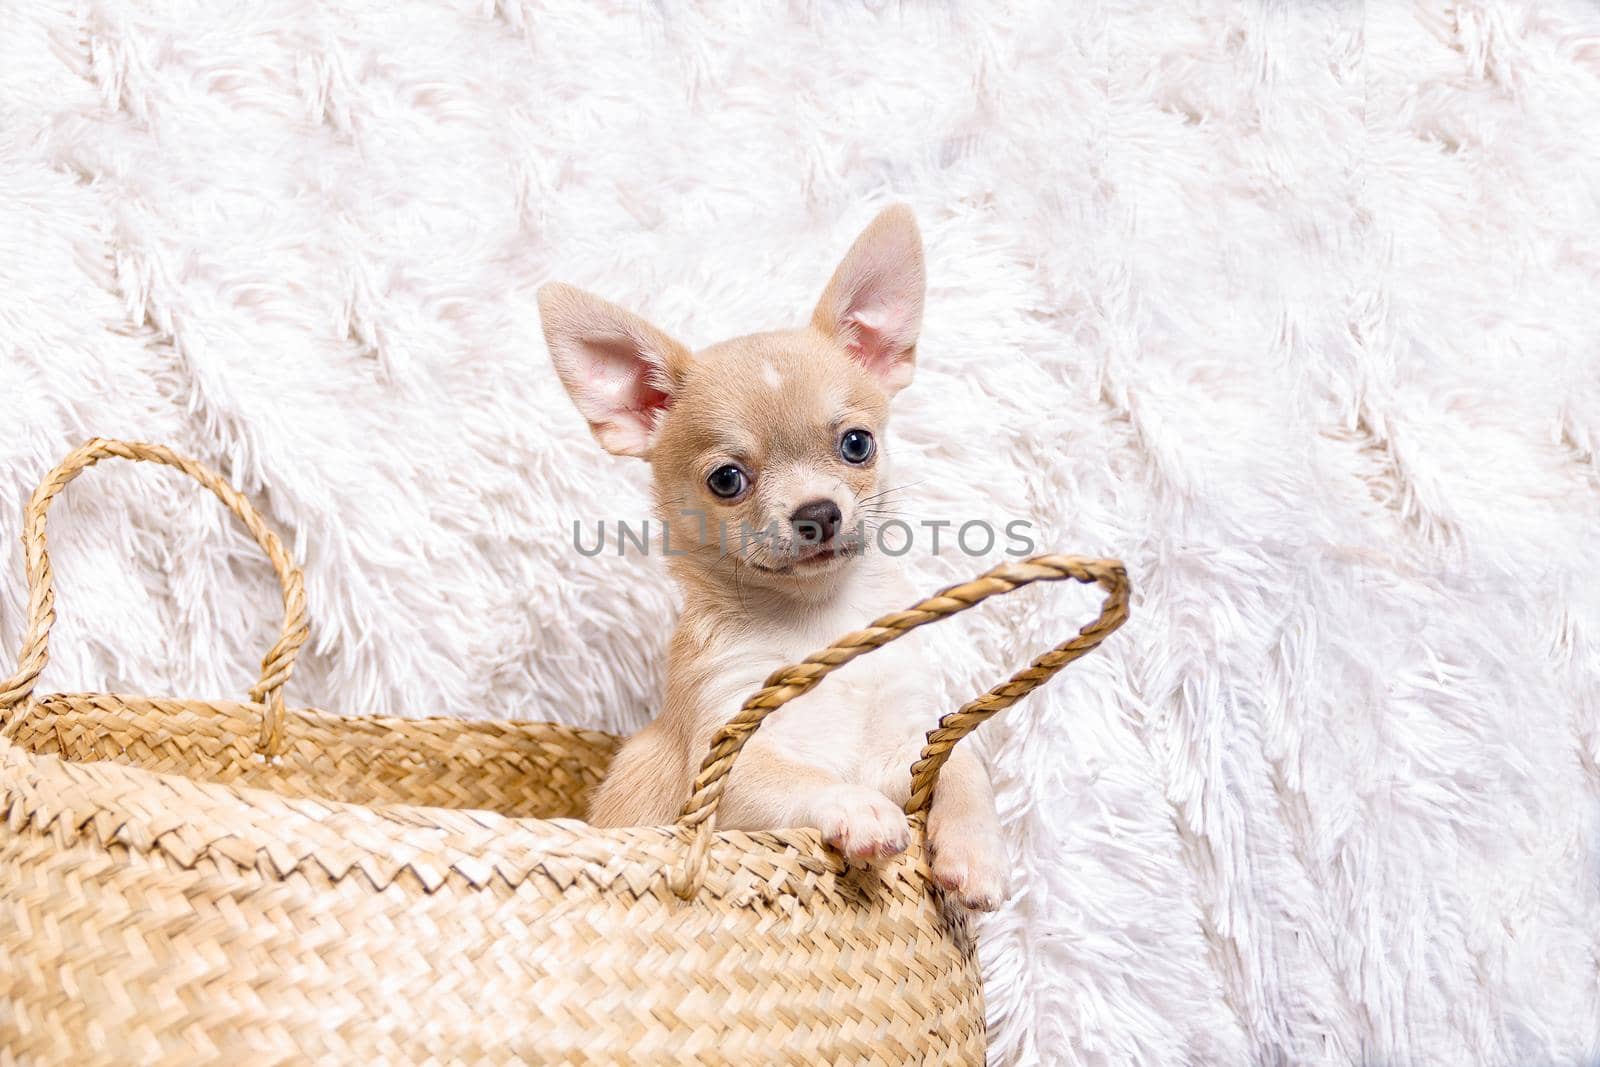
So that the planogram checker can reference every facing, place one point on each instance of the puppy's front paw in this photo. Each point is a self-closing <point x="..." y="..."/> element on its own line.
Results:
<point x="970" y="863"/>
<point x="862" y="823"/>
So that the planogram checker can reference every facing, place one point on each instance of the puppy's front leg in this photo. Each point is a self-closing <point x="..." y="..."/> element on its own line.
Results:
<point x="969" y="856"/>
<point x="769" y="788"/>
<point x="645" y="784"/>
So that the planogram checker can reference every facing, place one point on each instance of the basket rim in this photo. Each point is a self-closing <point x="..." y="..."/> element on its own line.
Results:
<point x="189" y="822"/>
<point x="444" y="723"/>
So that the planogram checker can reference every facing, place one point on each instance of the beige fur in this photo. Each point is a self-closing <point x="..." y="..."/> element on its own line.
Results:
<point x="777" y="404"/>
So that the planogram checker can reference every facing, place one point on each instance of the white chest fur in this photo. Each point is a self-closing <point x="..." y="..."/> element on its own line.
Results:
<point x="878" y="704"/>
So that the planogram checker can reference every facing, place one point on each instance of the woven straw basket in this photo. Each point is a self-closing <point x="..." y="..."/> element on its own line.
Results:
<point x="209" y="880"/>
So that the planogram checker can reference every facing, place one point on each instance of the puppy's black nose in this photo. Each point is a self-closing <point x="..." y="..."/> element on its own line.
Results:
<point x="816" y="523"/>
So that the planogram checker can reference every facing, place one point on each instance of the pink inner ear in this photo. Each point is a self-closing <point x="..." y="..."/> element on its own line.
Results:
<point x="623" y="398"/>
<point x="876" y="335"/>
<point x="629" y="393"/>
<point x="650" y="403"/>
<point x="618" y="372"/>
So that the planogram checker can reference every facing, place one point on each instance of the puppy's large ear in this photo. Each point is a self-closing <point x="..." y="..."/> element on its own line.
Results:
<point x="873" y="305"/>
<point x="620" y="371"/>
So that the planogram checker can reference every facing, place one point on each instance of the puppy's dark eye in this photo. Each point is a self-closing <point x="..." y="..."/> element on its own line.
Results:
<point x="856" y="446"/>
<point x="727" y="481"/>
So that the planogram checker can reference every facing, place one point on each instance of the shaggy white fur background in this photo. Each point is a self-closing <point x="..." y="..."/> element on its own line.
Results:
<point x="1291" y="306"/>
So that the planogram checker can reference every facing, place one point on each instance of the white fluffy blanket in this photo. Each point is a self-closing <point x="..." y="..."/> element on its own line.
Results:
<point x="1291" y="306"/>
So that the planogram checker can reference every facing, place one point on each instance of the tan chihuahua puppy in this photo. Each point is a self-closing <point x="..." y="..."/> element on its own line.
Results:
<point x="768" y="463"/>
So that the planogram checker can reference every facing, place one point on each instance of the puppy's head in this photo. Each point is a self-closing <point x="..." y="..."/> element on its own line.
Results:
<point x="767" y="450"/>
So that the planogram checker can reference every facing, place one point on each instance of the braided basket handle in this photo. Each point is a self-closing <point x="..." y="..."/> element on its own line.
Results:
<point x="700" y="811"/>
<point x="277" y="664"/>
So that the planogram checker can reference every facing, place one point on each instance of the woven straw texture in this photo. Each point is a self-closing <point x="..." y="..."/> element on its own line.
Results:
<point x="194" y="880"/>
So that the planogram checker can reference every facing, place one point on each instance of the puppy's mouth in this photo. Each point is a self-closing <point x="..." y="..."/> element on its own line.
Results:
<point x="816" y="559"/>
